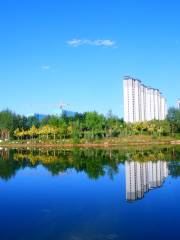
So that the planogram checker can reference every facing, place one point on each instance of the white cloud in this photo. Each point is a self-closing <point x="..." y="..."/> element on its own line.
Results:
<point x="99" y="42"/>
<point x="75" y="42"/>
<point x="45" y="67"/>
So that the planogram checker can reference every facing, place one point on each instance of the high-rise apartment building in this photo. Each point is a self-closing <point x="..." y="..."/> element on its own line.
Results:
<point x="142" y="103"/>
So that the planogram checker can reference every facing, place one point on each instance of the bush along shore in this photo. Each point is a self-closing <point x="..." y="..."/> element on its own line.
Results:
<point x="85" y="129"/>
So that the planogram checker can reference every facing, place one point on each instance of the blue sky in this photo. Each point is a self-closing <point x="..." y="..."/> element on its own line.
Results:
<point x="77" y="52"/>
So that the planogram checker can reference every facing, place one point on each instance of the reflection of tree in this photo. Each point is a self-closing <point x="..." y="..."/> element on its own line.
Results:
<point x="174" y="166"/>
<point x="167" y="154"/>
<point x="174" y="169"/>
<point x="146" y="156"/>
<point x="94" y="162"/>
<point x="8" y="166"/>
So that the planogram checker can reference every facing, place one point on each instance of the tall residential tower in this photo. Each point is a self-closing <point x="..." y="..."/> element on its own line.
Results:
<point x="142" y="103"/>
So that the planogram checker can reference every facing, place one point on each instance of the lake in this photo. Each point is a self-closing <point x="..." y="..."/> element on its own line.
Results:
<point x="90" y="194"/>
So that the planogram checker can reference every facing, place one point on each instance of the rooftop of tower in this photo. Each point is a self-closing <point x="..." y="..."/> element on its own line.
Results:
<point x="127" y="77"/>
<point x="131" y="78"/>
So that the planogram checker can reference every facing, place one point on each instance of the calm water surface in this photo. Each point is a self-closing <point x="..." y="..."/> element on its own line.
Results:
<point x="89" y="194"/>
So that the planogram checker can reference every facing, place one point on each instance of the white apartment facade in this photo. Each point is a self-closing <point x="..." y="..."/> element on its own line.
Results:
<point x="142" y="177"/>
<point x="142" y="103"/>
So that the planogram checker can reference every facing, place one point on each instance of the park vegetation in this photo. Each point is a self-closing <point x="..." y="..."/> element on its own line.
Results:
<point x="86" y="127"/>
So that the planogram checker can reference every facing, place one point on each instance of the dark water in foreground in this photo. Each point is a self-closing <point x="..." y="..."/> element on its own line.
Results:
<point x="89" y="194"/>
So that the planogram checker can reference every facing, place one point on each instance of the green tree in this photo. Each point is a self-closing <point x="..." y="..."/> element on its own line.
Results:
<point x="173" y="117"/>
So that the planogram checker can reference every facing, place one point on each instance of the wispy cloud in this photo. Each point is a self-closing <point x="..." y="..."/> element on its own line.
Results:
<point x="45" y="67"/>
<point x="98" y="42"/>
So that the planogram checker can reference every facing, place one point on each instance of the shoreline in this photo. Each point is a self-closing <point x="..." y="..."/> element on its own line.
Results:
<point x="86" y="145"/>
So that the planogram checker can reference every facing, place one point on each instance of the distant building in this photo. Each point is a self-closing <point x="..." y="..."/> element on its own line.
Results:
<point x="179" y="104"/>
<point x="56" y="112"/>
<point x="142" y="103"/>
<point x="40" y="116"/>
<point x="61" y="112"/>
<point x="143" y="176"/>
<point x="69" y="113"/>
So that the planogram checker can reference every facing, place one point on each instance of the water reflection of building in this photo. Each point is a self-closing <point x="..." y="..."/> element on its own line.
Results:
<point x="141" y="177"/>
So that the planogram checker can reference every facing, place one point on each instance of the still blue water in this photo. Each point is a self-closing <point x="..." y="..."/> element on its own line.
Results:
<point x="89" y="194"/>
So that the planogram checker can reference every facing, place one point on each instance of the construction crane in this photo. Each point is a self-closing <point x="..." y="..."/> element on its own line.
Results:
<point x="62" y="105"/>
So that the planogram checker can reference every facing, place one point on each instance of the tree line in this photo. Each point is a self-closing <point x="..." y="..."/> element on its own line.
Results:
<point x="88" y="126"/>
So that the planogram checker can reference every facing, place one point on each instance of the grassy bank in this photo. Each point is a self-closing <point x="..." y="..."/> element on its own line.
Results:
<point x="120" y="141"/>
